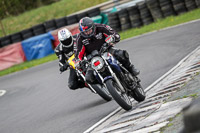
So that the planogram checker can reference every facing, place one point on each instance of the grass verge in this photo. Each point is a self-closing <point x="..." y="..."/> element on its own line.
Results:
<point x="160" y="24"/>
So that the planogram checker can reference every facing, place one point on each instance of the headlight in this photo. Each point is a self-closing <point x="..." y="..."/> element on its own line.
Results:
<point x="97" y="63"/>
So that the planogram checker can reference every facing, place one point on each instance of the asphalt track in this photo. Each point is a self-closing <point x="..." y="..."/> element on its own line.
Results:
<point x="37" y="100"/>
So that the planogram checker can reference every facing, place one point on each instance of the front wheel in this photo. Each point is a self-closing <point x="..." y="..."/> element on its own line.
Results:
<point x="120" y="97"/>
<point x="102" y="91"/>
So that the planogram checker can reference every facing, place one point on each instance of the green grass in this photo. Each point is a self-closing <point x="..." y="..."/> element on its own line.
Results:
<point x="56" y="10"/>
<point x="170" y="21"/>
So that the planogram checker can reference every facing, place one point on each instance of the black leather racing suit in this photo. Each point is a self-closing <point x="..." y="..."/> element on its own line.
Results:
<point x="63" y="55"/>
<point x="86" y="45"/>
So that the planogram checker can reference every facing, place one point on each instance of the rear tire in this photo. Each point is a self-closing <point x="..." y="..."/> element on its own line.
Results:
<point x="138" y="93"/>
<point x="122" y="99"/>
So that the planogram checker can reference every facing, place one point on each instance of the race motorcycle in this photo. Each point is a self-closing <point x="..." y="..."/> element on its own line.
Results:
<point x="118" y="80"/>
<point x="95" y="88"/>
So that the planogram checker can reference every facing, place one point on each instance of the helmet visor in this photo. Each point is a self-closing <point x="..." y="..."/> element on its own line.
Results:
<point x="67" y="41"/>
<point x="89" y="32"/>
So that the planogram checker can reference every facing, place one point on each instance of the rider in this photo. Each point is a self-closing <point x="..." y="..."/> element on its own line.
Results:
<point x="92" y="36"/>
<point x="64" y="51"/>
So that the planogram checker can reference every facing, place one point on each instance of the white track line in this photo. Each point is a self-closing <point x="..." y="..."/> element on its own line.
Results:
<point x="2" y="92"/>
<point x="154" y="83"/>
<point x="102" y="120"/>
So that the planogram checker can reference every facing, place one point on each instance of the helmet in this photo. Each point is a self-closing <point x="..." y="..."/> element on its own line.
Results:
<point x="65" y="37"/>
<point x="86" y="27"/>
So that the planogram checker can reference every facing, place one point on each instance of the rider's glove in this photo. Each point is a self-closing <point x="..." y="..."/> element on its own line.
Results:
<point x="110" y="39"/>
<point x="64" y="67"/>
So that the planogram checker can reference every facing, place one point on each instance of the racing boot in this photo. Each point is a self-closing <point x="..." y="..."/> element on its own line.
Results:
<point x="131" y="68"/>
<point x="123" y="57"/>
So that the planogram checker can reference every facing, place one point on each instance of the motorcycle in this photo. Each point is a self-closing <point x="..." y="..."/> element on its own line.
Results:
<point x="121" y="84"/>
<point x="95" y="88"/>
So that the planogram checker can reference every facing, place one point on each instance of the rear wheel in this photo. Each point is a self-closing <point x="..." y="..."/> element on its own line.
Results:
<point x="138" y="93"/>
<point x="120" y="97"/>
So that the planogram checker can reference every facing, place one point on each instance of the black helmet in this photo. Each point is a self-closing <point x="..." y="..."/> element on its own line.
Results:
<point x="86" y="27"/>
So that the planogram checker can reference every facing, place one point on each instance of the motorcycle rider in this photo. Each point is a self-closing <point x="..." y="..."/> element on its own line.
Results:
<point x="65" y="49"/>
<point x="92" y="36"/>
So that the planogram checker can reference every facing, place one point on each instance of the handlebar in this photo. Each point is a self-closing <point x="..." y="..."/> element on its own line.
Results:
<point x="104" y="48"/>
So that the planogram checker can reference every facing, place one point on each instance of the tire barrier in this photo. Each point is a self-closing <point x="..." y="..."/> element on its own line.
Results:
<point x="197" y="3"/>
<point x="167" y="8"/>
<point x="134" y="16"/>
<point x="6" y="40"/>
<point x="124" y="19"/>
<point x="190" y="4"/>
<point x="50" y="25"/>
<point x="94" y="12"/>
<point x="81" y="15"/>
<point x="60" y="22"/>
<point x="27" y="33"/>
<point x="155" y="9"/>
<point x="72" y="19"/>
<point x="179" y="6"/>
<point x="145" y="13"/>
<point x="114" y="21"/>
<point x="38" y="29"/>
<point x="17" y="37"/>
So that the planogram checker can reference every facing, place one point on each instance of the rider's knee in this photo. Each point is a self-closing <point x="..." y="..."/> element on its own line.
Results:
<point x="121" y="55"/>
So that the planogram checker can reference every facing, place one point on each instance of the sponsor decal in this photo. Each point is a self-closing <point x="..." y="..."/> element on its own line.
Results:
<point x="99" y="36"/>
<point x="85" y="42"/>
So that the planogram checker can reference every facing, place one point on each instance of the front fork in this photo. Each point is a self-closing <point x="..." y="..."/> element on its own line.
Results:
<point x="113" y="75"/>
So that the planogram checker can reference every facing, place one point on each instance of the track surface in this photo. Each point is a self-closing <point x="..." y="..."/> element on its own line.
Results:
<point x="38" y="100"/>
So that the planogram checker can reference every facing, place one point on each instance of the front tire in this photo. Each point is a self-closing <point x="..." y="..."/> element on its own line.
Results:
<point x="102" y="92"/>
<point x="121" y="98"/>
